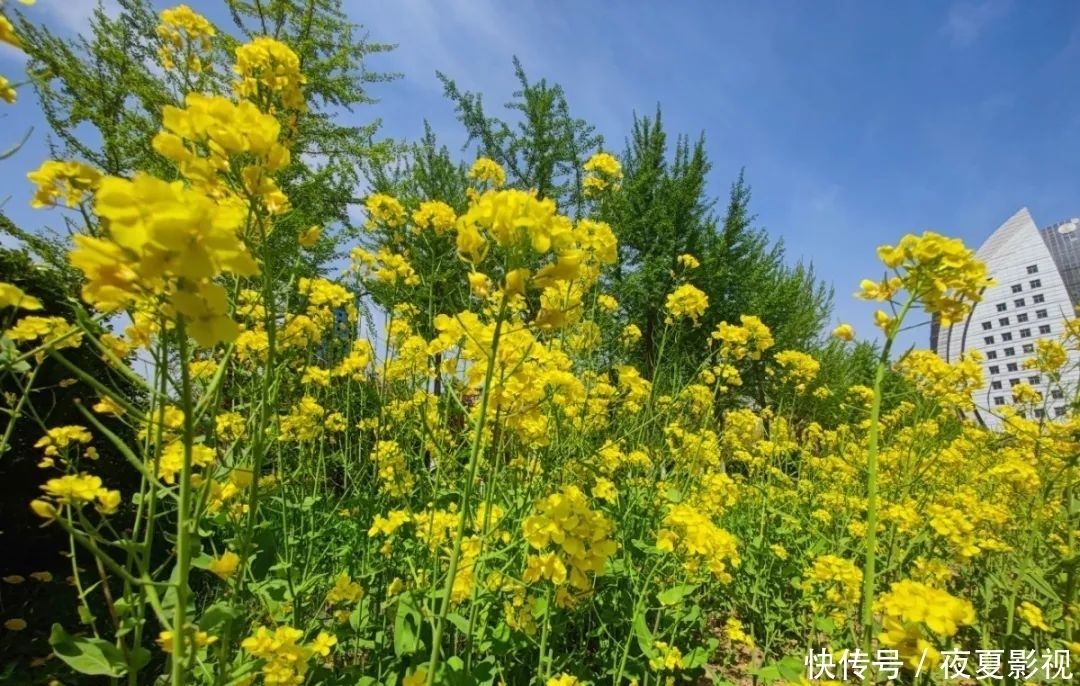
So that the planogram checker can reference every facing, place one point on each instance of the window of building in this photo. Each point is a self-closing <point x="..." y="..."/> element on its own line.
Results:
<point x="1059" y="411"/>
<point x="991" y="355"/>
<point x="1004" y="321"/>
<point x="1022" y="317"/>
<point x="1001" y="307"/>
<point x="1035" y="380"/>
<point x="1017" y="288"/>
<point x="1044" y="328"/>
<point x="987" y="326"/>
<point x="1012" y="366"/>
<point x="1009" y="352"/>
<point x="1029" y="347"/>
<point x="1038" y="298"/>
<point x="1025" y="333"/>
<point x="1019" y="302"/>
<point x="1057" y="394"/>
<point x="1036" y="283"/>
<point x="1033" y="269"/>
<point x="1013" y="383"/>
<point x="989" y="340"/>
<point x="999" y="400"/>
<point x="995" y="385"/>
<point x="994" y="369"/>
<point x="1040" y="314"/>
<point x="1006" y="336"/>
<point x="1039" y="413"/>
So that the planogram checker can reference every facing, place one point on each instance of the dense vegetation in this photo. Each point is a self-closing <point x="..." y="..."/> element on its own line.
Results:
<point x="592" y="432"/>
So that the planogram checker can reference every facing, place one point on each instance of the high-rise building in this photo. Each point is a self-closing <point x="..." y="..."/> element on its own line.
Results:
<point x="1037" y="289"/>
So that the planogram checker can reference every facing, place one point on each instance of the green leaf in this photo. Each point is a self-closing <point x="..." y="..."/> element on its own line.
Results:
<point x="406" y="625"/>
<point x="217" y="615"/>
<point x="825" y="625"/>
<point x="675" y="594"/>
<point x="644" y="636"/>
<point x="766" y="674"/>
<point x="140" y="657"/>
<point x="91" y="656"/>
<point x="459" y="622"/>
<point x="791" y="668"/>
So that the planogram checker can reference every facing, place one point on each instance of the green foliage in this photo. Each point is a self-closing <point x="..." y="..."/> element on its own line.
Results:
<point x="420" y="171"/>
<point x="544" y="149"/>
<point x="664" y="211"/>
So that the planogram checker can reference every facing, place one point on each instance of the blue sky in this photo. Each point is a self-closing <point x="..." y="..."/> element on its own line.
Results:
<point x="857" y="122"/>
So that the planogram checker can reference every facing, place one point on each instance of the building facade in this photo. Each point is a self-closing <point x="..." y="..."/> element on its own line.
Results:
<point x="1037" y="289"/>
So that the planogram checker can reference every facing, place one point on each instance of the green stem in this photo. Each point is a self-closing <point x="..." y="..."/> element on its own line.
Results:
<point x="541" y="670"/>
<point x="466" y="496"/>
<point x="183" y="533"/>
<point x="870" y="537"/>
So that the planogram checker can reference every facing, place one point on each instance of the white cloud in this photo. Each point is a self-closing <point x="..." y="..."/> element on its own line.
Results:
<point x="73" y="16"/>
<point x="966" y="21"/>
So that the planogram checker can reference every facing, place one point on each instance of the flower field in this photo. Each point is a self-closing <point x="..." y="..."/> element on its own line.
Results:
<point x="493" y="493"/>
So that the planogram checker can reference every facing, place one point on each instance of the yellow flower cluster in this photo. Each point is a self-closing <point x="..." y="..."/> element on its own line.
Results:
<point x="345" y="591"/>
<point x="208" y="132"/>
<point x="164" y="239"/>
<point x="941" y="273"/>
<point x="581" y="536"/>
<point x="1050" y="356"/>
<point x="488" y="171"/>
<point x="184" y="34"/>
<point x="668" y="658"/>
<point x="59" y="438"/>
<point x="914" y="614"/>
<point x="1033" y="615"/>
<point x="200" y="639"/>
<point x="951" y="384"/>
<point x="750" y="339"/>
<point x="8" y="36"/>
<point x="686" y="301"/>
<point x="393" y="468"/>
<point x="836" y="580"/>
<point x="69" y="180"/>
<point x="797" y="368"/>
<point x="307" y="421"/>
<point x="225" y="491"/>
<point x="693" y="535"/>
<point x="285" y="658"/>
<point x="13" y="296"/>
<point x="384" y="209"/>
<point x="225" y="565"/>
<point x="53" y="332"/>
<point x="268" y="67"/>
<point x="527" y="372"/>
<point x="602" y="172"/>
<point x="75" y="491"/>
<point x="387" y="267"/>
<point x="434" y="215"/>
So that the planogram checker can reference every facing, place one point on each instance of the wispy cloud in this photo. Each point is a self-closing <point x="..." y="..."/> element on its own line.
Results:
<point x="67" y="19"/>
<point x="74" y="17"/>
<point x="966" y="21"/>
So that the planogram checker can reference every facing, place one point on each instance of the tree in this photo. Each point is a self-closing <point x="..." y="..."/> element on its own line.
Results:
<point x="423" y="171"/>
<point x="545" y="150"/>
<point x="103" y="93"/>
